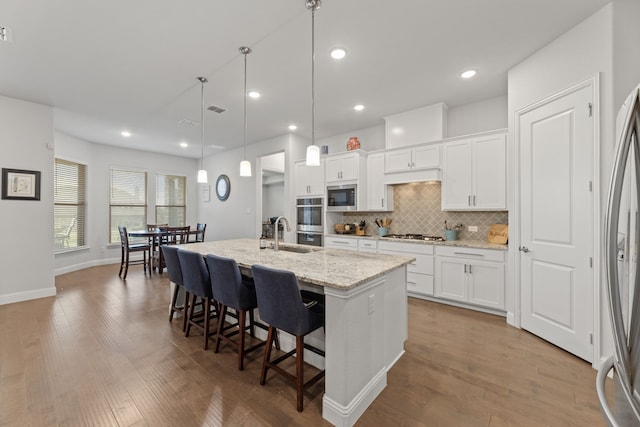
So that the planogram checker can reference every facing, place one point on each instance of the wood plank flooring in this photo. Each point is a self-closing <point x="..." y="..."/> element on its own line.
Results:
<point x="103" y="353"/>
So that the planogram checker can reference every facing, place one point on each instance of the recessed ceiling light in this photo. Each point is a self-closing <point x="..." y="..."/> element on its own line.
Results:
<point x="338" y="53"/>
<point x="253" y="94"/>
<point x="125" y="133"/>
<point x="184" y="144"/>
<point x="358" y="107"/>
<point x="468" y="74"/>
<point x="293" y="127"/>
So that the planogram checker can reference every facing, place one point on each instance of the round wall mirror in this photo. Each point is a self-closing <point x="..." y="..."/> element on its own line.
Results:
<point x="223" y="187"/>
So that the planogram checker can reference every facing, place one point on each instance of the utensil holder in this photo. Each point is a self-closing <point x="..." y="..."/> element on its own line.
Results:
<point x="451" y="234"/>
<point x="383" y="231"/>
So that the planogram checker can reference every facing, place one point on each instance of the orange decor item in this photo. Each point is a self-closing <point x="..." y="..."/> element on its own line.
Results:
<point x="353" y="143"/>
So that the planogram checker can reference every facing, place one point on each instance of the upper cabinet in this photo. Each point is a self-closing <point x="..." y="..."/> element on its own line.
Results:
<point x="309" y="180"/>
<point x="421" y="157"/>
<point x="344" y="167"/>
<point x="379" y="195"/>
<point x="417" y="126"/>
<point x="474" y="174"/>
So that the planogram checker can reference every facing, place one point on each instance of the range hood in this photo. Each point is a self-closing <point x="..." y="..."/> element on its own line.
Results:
<point x="407" y="177"/>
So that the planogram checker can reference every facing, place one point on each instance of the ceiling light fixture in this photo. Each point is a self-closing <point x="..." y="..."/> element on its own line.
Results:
<point x="254" y="94"/>
<point x="468" y="74"/>
<point x="313" y="151"/>
<point x="184" y="144"/>
<point x="245" y="165"/>
<point x="125" y="133"/>
<point x="293" y="127"/>
<point x="202" y="173"/>
<point x="338" y="53"/>
<point x="358" y="107"/>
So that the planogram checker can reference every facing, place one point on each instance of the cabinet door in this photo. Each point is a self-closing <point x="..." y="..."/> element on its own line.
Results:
<point x="315" y="180"/>
<point x="333" y="167"/>
<point x="379" y="197"/>
<point x="420" y="283"/>
<point x="456" y="176"/>
<point x="490" y="173"/>
<point x="426" y="157"/>
<point x="486" y="284"/>
<point x="302" y="180"/>
<point x="350" y="167"/>
<point x="451" y="278"/>
<point x="397" y="160"/>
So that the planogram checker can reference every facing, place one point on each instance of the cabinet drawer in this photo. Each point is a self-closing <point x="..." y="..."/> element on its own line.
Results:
<point x="366" y="245"/>
<point x="341" y="243"/>
<point x="471" y="253"/>
<point x="412" y="248"/>
<point x="420" y="283"/>
<point x="423" y="264"/>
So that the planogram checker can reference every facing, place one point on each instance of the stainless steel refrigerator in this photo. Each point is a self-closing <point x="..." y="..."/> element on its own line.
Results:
<point x="622" y="234"/>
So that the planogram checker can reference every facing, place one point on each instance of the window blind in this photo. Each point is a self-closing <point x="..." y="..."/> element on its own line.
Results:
<point x="69" y="212"/>
<point x="127" y="201"/>
<point x="171" y="204"/>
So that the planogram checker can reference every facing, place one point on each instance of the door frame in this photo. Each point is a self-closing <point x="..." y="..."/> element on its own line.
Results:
<point x="515" y="237"/>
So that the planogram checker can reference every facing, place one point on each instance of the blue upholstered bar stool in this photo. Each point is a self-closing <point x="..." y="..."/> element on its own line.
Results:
<point x="170" y="255"/>
<point x="232" y="290"/>
<point x="281" y="306"/>
<point x="195" y="277"/>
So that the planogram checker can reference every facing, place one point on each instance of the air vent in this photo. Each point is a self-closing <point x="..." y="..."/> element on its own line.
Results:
<point x="5" y="33"/>
<point x="216" y="109"/>
<point x="188" y="122"/>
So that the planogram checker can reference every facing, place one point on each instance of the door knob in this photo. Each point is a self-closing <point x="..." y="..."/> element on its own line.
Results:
<point x="524" y="249"/>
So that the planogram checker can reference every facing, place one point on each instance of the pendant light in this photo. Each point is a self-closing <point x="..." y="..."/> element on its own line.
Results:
<point x="245" y="165"/>
<point x="313" y="151"/>
<point x="202" y="173"/>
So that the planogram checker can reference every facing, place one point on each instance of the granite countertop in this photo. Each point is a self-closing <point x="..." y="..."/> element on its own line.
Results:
<point x="477" y="244"/>
<point x="334" y="268"/>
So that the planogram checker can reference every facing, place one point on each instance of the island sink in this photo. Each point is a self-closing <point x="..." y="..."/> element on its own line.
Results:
<point x="298" y="249"/>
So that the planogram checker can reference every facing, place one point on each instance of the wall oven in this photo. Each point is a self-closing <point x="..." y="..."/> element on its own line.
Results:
<point x="342" y="197"/>
<point x="309" y="220"/>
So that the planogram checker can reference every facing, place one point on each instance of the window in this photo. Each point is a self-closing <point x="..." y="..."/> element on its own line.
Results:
<point x="127" y="201"/>
<point x="69" y="209"/>
<point x="170" y="200"/>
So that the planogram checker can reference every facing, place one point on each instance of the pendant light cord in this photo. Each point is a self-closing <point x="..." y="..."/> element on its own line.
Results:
<point x="202" y="125"/>
<point x="245" y="103"/>
<point x="313" y="57"/>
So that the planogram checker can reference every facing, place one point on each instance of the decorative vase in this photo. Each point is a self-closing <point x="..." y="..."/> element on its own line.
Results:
<point x="353" y="143"/>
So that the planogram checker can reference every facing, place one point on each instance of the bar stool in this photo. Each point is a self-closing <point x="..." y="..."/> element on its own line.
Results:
<point x="195" y="278"/>
<point x="281" y="306"/>
<point x="232" y="290"/>
<point x="170" y="254"/>
<point x="126" y="249"/>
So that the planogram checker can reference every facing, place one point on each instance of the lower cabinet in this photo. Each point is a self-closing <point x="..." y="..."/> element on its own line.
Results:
<point x="419" y="272"/>
<point x="474" y="276"/>
<point x="341" y="242"/>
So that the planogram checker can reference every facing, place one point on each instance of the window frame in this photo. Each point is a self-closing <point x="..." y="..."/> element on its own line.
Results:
<point x="81" y="219"/>
<point x="112" y="205"/>
<point x="183" y="178"/>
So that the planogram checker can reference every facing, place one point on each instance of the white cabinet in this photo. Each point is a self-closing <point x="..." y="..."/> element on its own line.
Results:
<point x="334" y="242"/>
<point x="379" y="195"/>
<point x="367" y="245"/>
<point x="309" y="180"/>
<point x="419" y="272"/>
<point x="474" y="276"/>
<point x="474" y="174"/>
<point x="408" y="159"/>
<point x="343" y="167"/>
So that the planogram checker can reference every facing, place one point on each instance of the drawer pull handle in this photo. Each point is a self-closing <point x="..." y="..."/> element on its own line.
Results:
<point x="466" y="253"/>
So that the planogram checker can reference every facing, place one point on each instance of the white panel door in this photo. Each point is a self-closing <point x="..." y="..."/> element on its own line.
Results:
<point x="556" y="146"/>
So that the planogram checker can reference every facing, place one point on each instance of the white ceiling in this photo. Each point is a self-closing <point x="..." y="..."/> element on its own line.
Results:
<point x="109" y="65"/>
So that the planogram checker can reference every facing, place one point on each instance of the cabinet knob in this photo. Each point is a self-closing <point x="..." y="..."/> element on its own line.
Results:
<point x="468" y="200"/>
<point x="382" y="202"/>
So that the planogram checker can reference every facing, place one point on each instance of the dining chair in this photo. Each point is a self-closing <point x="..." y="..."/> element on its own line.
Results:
<point x="127" y="248"/>
<point x="281" y="306"/>
<point x="177" y="235"/>
<point x="174" y="270"/>
<point x="200" y="228"/>
<point x="233" y="290"/>
<point x="197" y="284"/>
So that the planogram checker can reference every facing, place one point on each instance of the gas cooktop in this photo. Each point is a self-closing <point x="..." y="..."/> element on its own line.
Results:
<point x="415" y="237"/>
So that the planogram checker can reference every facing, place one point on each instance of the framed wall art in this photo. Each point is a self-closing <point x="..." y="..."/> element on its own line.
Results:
<point x="19" y="184"/>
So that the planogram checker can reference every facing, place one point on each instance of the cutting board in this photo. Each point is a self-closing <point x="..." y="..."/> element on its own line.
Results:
<point x="498" y="233"/>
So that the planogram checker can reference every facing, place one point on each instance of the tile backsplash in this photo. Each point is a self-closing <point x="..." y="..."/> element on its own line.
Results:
<point x="417" y="210"/>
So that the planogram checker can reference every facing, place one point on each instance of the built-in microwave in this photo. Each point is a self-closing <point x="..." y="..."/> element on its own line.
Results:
<point x="342" y="197"/>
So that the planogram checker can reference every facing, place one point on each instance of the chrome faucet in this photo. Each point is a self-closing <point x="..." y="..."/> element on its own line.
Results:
<point x="275" y="233"/>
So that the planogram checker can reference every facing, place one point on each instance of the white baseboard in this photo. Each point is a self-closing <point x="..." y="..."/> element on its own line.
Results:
<point x="511" y="318"/>
<point x="346" y="416"/>
<point x="27" y="295"/>
<point x="87" y="264"/>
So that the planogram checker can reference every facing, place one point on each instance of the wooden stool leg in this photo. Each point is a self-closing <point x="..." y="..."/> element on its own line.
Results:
<point x="242" y="318"/>
<point x="192" y="309"/>
<point x="174" y="301"/>
<point x="207" y="322"/>
<point x="221" y="315"/>
<point x="185" y="311"/>
<point x="267" y="355"/>
<point x="252" y="326"/>
<point x="299" y="371"/>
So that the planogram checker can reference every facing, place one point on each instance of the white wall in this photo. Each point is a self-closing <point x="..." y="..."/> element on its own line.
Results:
<point x="481" y="116"/>
<point x="26" y="264"/>
<point x="575" y="56"/>
<point x="273" y="200"/>
<point x="626" y="57"/>
<point x="99" y="159"/>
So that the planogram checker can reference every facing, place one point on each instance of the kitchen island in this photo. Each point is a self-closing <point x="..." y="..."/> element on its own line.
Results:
<point x="366" y="314"/>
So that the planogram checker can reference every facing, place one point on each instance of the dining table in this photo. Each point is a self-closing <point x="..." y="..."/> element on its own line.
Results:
<point x="157" y="237"/>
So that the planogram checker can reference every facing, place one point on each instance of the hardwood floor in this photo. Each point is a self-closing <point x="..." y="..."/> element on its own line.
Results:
<point x="103" y="353"/>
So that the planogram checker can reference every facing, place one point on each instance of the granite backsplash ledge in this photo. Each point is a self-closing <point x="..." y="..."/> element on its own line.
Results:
<point x="417" y="209"/>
